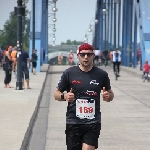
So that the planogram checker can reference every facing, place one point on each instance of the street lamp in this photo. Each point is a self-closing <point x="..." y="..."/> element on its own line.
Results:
<point x="54" y="38"/>
<point x="54" y="28"/>
<point x="54" y="9"/>
<point x="85" y="39"/>
<point x="54" y="19"/>
<point x="54" y="16"/>
<point x="90" y="26"/>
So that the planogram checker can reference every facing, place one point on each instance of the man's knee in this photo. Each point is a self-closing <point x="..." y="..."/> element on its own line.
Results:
<point x="87" y="147"/>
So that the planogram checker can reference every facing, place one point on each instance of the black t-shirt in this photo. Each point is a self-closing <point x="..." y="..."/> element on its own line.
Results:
<point x="85" y="85"/>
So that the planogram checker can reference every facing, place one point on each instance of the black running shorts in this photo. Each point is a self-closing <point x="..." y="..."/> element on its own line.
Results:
<point x="76" y="134"/>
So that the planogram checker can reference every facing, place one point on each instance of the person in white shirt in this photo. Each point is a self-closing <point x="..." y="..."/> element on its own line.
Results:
<point x="97" y="56"/>
<point x="116" y="59"/>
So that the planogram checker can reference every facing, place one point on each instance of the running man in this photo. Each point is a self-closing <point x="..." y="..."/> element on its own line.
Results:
<point x="83" y="84"/>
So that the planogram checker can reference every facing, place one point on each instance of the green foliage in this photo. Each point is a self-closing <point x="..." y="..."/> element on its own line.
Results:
<point x="8" y="36"/>
<point x="69" y="42"/>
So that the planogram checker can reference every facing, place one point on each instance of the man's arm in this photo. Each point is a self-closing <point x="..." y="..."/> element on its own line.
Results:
<point x="107" y="95"/>
<point x="57" y="95"/>
<point x="111" y="95"/>
<point x="28" y="60"/>
<point x="67" y="96"/>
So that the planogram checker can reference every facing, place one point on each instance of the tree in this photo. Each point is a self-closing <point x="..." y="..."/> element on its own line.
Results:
<point x="8" y="36"/>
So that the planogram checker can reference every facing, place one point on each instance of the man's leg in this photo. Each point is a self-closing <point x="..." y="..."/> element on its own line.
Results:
<point x="23" y="83"/>
<point x="26" y="71"/>
<point x="73" y="140"/>
<point x="114" y="63"/>
<point x="87" y="147"/>
<point x="34" y="67"/>
<point x="118" y="66"/>
<point x="90" y="136"/>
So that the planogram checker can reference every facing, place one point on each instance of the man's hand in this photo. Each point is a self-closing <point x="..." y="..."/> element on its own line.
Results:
<point x="69" y="96"/>
<point x="107" y="96"/>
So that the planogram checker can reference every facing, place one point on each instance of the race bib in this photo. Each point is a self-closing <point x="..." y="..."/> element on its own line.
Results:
<point x="85" y="108"/>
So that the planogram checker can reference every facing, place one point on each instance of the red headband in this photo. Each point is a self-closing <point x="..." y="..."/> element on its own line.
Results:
<point x="85" y="46"/>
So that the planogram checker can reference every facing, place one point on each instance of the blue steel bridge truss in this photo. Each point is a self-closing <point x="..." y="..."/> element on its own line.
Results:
<point x="124" y="25"/>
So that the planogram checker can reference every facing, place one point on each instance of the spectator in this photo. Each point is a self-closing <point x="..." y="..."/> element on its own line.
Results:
<point x="146" y="69"/>
<point x="25" y="70"/>
<point x="7" y="67"/>
<point x="138" y="55"/>
<point x="70" y="58"/>
<point x="60" y="59"/>
<point x="34" y="61"/>
<point x="43" y="55"/>
<point x="111" y="56"/>
<point x="13" y="56"/>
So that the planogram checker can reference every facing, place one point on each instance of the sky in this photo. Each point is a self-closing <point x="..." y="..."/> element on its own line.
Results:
<point x="73" y="18"/>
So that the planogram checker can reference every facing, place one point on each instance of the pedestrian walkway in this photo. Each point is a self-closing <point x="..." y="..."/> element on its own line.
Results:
<point x="125" y="120"/>
<point x="18" y="109"/>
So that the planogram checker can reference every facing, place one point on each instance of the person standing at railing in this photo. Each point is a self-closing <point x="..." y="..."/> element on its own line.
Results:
<point x="60" y="59"/>
<point x="70" y="58"/>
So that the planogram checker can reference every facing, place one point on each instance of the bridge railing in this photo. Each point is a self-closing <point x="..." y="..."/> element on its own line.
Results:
<point x="63" y="48"/>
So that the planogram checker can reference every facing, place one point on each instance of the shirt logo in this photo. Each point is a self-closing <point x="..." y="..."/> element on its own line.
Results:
<point x="90" y="92"/>
<point x="94" y="82"/>
<point x="76" y="82"/>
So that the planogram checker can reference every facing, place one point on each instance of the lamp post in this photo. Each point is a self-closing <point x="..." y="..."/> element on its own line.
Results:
<point x="85" y="39"/>
<point x="19" y="11"/>
<point x="54" y="9"/>
<point x="104" y="12"/>
<point x="95" y="22"/>
<point x="54" y="28"/>
<point x="54" y="16"/>
<point x="33" y="25"/>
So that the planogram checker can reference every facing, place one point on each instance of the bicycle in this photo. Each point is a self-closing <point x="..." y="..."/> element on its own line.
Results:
<point x="146" y="76"/>
<point x="105" y="62"/>
<point x="116" y="72"/>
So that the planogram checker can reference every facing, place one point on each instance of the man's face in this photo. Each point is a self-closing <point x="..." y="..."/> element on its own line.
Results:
<point x="86" y="57"/>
